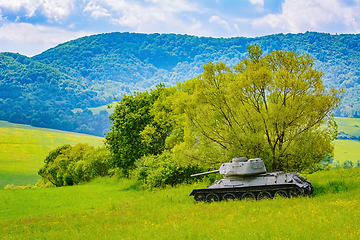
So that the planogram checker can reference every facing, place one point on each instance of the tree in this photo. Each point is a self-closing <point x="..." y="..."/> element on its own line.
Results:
<point x="129" y="119"/>
<point x="274" y="107"/>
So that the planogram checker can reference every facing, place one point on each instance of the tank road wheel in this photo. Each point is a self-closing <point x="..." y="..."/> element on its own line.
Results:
<point x="212" y="197"/>
<point x="309" y="190"/>
<point x="229" y="196"/>
<point x="199" y="196"/>
<point x="281" y="194"/>
<point x="248" y="196"/>
<point x="263" y="195"/>
<point x="296" y="192"/>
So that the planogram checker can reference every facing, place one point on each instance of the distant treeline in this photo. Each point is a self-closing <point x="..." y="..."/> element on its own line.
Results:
<point x="91" y="71"/>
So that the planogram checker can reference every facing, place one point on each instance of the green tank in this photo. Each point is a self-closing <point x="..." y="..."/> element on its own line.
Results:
<point x="247" y="179"/>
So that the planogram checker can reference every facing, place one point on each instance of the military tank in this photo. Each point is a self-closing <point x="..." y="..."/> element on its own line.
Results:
<point x="245" y="178"/>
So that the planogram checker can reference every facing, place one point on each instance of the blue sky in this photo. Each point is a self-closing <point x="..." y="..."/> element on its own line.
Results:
<point x="32" y="26"/>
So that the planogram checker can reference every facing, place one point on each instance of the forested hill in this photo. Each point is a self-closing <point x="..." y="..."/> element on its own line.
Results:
<point x="90" y="71"/>
<point x="122" y="62"/>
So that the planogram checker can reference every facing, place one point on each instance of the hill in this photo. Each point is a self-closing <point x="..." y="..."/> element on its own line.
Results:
<point x="119" y="209"/>
<point x="140" y="61"/>
<point x="34" y="93"/>
<point x="89" y="72"/>
<point x="23" y="149"/>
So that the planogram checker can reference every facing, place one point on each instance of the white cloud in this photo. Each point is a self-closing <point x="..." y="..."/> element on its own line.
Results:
<point x="218" y="20"/>
<point x="53" y="9"/>
<point x="133" y="14"/>
<point x="96" y="10"/>
<point x="41" y="37"/>
<point x="299" y="16"/>
<point x="259" y="5"/>
<point x="260" y="2"/>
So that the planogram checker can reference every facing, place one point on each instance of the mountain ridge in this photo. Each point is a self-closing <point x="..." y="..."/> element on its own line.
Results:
<point x="109" y="65"/>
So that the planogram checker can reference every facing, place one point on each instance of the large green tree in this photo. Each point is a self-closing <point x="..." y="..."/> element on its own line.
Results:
<point x="129" y="119"/>
<point x="272" y="106"/>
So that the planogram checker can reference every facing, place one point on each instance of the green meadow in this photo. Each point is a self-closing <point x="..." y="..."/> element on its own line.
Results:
<point x="118" y="209"/>
<point x="109" y="108"/>
<point x="350" y="126"/>
<point x="23" y="149"/>
<point x="110" y="208"/>
<point x="347" y="149"/>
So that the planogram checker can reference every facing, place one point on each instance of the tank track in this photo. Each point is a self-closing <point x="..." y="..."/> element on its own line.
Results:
<point x="251" y="193"/>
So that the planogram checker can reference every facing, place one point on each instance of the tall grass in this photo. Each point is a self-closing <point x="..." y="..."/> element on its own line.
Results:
<point x="119" y="209"/>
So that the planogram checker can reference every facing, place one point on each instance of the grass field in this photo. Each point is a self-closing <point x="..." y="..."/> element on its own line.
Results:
<point x="119" y="209"/>
<point x="346" y="150"/>
<point x="348" y="125"/>
<point x="23" y="149"/>
<point x="98" y="109"/>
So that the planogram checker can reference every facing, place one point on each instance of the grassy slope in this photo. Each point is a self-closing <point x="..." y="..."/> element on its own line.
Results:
<point x="98" y="109"/>
<point x="347" y="125"/>
<point x="111" y="209"/>
<point x="23" y="149"/>
<point x="347" y="149"/>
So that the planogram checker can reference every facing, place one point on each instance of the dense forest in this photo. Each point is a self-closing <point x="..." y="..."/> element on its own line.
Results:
<point x="92" y="71"/>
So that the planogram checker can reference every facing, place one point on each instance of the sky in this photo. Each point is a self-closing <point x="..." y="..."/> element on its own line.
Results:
<point x="30" y="27"/>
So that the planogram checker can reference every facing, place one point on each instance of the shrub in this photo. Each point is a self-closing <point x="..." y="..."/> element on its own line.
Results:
<point x="162" y="170"/>
<point x="69" y="165"/>
<point x="9" y="186"/>
<point x="348" y="164"/>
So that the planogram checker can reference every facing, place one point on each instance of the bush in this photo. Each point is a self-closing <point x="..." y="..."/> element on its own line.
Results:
<point x="9" y="186"/>
<point x="348" y="164"/>
<point x="162" y="170"/>
<point x="68" y="165"/>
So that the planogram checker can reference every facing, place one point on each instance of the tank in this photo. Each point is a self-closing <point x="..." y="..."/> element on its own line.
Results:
<point x="248" y="179"/>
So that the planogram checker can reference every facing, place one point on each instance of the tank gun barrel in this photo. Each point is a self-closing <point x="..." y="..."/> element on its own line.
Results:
<point x="204" y="173"/>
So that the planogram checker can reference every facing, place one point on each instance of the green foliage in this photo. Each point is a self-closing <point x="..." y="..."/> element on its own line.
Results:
<point x="129" y="119"/>
<point x="69" y="165"/>
<point x="271" y="106"/>
<point x="163" y="170"/>
<point x="348" y="164"/>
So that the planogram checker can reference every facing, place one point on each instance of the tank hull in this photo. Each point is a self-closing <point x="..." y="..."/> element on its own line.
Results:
<point x="259" y="186"/>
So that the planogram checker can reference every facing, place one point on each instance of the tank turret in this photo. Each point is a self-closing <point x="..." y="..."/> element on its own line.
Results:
<point x="239" y="166"/>
<point x="247" y="179"/>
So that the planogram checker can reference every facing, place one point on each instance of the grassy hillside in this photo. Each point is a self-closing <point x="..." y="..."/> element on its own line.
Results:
<point x="350" y="126"/>
<point x="346" y="150"/>
<point x="118" y="209"/>
<point x="23" y="149"/>
<point x="88" y="72"/>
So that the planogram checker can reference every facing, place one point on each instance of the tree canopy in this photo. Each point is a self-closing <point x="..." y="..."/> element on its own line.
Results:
<point x="274" y="106"/>
<point x="129" y="119"/>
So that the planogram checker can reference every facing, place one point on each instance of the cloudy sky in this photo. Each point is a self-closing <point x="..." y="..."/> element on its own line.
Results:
<point x="32" y="26"/>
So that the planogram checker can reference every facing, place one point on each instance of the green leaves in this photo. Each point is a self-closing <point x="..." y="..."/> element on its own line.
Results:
<point x="271" y="107"/>
<point x="274" y="107"/>
<point x="134" y="132"/>
<point x="69" y="165"/>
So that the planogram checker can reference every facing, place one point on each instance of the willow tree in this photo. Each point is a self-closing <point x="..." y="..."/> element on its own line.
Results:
<point x="274" y="106"/>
